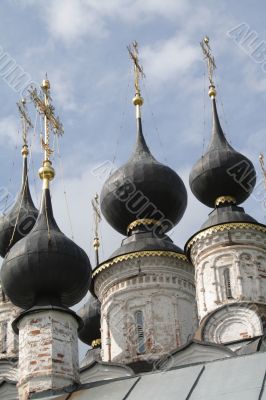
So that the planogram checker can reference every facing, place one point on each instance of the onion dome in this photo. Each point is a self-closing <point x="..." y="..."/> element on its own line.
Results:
<point x="143" y="191"/>
<point x="45" y="267"/>
<point x="223" y="178"/>
<point x="22" y="216"/>
<point x="222" y="175"/>
<point x="90" y="314"/>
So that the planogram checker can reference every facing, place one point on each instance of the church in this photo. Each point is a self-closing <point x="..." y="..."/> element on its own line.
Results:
<point x="161" y="322"/>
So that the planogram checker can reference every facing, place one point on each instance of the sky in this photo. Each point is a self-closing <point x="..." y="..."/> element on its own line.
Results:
<point x="81" y="45"/>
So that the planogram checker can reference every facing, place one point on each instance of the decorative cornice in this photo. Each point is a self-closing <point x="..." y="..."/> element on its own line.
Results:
<point x="221" y="228"/>
<point x="224" y="199"/>
<point x="143" y="221"/>
<point x="139" y="254"/>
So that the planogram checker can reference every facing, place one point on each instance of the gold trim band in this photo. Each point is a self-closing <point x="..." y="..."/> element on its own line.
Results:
<point x="224" y="199"/>
<point x="143" y="221"/>
<point x="139" y="254"/>
<point x="96" y="343"/>
<point x="224" y="227"/>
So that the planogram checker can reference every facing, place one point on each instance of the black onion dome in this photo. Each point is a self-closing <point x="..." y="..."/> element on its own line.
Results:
<point x="143" y="188"/>
<point x="45" y="267"/>
<point x="20" y="219"/>
<point x="221" y="171"/>
<point x="90" y="314"/>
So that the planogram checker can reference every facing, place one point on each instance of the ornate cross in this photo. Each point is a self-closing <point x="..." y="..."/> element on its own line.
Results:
<point x="209" y="57"/>
<point x="51" y="123"/>
<point x="26" y="122"/>
<point x="138" y="69"/>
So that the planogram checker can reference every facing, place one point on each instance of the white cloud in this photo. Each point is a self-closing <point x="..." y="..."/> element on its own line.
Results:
<point x="255" y="76"/>
<point x="70" y="20"/>
<point x="169" y="58"/>
<point x="9" y="131"/>
<point x="63" y="90"/>
<point x="138" y="10"/>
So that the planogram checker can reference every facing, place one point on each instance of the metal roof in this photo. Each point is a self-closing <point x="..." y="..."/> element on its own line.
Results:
<point x="236" y="378"/>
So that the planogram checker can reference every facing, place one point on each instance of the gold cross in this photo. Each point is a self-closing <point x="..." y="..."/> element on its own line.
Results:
<point x="97" y="214"/>
<point x="261" y="159"/>
<point x="209" y="57"/>
<point x="44" y="106"/>
<point x="26" y="122"/>
<point x="138" y="69"/>
<point x="97" y="220"/>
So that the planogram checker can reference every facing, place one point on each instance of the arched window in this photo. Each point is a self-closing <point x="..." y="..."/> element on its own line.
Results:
<point x="227" y="283"/>
<point x="140" y="332"/>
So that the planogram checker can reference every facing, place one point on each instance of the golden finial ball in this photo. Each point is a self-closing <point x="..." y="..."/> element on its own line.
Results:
<point x="45" y="84"/>
<point x="212" y="91"/>
<point x="206" y="40"/>
<point x="96" y="243"/>
<point x="138" y="100"/>
<point x="47" y="171"/>
<point x="25" y="150"/>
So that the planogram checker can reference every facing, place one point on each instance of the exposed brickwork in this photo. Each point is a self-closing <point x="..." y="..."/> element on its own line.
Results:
<point x="48" y="352"/>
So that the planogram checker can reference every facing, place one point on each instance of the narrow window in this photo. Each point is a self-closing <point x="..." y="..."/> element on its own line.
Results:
<point x="140" y="332"/>
<point x="15" y="343"/>
<point x="227" y="283"/>
<point x="3" y="332"/>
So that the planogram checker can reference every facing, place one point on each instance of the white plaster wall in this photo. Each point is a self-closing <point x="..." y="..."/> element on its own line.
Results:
<point x="163" y="289"/>
<point x="244" y="253"/>
<point x="237" y="322"/>
<point x="8" y="339"/>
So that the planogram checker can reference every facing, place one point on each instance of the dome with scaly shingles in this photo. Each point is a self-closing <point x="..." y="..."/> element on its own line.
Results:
<point x="143" y="188"/>
<point x="221" y="171"/>
<point x="45" y="267"/>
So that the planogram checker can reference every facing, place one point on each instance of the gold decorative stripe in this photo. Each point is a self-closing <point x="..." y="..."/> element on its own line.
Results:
<point x="225" y="199"/>
<point x="139" y="254"/>
<point x="96" y="343"/>
<point x="225" y="227"/>
<point x="143" y="221"/>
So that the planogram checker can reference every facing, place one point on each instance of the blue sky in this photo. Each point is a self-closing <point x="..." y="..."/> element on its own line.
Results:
<point x="81" y="44"/>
